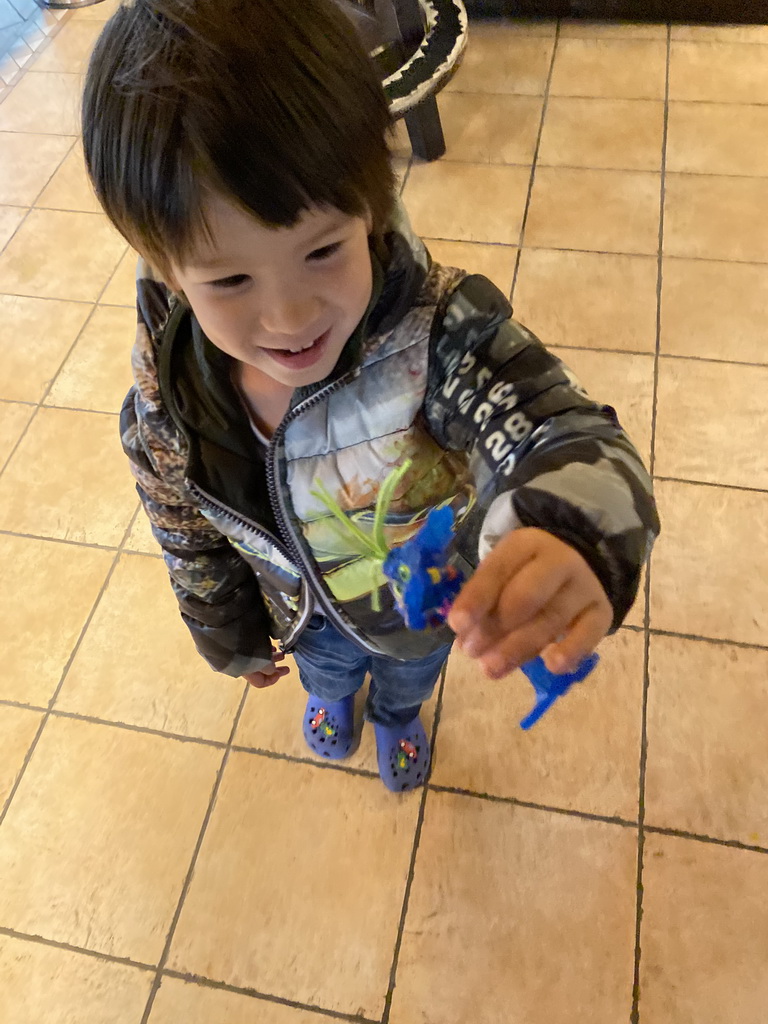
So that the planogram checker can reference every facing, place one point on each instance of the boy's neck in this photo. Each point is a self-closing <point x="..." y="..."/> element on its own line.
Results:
<point x="266" y="399"/>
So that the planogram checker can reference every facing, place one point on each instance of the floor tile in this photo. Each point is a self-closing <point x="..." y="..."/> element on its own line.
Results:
<point x="10" y="219"/>
<point x="97" y="374"/>
<point x="26" y="164"/>
<point x="18" y="728"/>
<point x="583" y="755"/>
<point x="621" y="310"/>
<point x="43" y="103"/>
<point x="711" y="422"/>
<point x="714" y="310"/>
<point x="98" y="12"/>
<point x="39" y="629"/>
<point x="621" y="380"/>
<point x="710" y="565"/>
<point x="707" y="736"/>
<point x="271" y="720"/>
<point x="121" y="290"/>
<point x="717" y="138"/>
<point x="141" y="538"/>
<point x="613" y="211"/>
<point x="497" y="891"/>
<point x="496" y="262"/>
<point x="138" y="664"/>
<point x="13" y="419"/>
<point x="718" y="73"/>
<point x="96" y="807"/>
<point x="613" y="68"/>
<point x="499" y="59"/>
<point x="716" y="218"/>
<point x="70" y="49"/>
<point x="69" y="188"/>
<point x="614" y="134"/>
<point x="721" y="33"/>
<point x="68" y="479"/>
<point x="34" y="262"/>
<point x="194" y="1004"/>
<point x="705" y="932"/>
<point x="611" y="30"/>
<point x="490" y="129"/>
<point x="401" y="166"/>
<point x="340" y="845"/>
<point x="35" y="336"/>
<point x="55" y="986"/>
<point x="444" y="201"/>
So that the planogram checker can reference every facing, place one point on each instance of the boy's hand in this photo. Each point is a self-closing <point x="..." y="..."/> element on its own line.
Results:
<point x="533" y="594"/>
<point x="269" y="675"/>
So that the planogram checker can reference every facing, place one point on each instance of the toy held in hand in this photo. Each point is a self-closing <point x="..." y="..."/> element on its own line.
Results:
<point x="423" y="584"/>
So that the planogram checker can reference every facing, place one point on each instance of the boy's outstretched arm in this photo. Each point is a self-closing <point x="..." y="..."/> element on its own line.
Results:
<point x="570" y="513"/>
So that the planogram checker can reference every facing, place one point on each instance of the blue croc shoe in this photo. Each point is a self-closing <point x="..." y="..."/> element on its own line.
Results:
<point x="403" y="755"/>
<point x="329" y="726"/>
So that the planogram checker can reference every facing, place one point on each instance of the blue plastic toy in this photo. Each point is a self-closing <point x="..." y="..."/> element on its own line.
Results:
<point x="549" y="686"/>
<point x="423" y="584"/>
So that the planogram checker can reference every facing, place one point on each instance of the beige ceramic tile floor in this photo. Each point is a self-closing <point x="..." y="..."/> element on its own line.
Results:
<point x="169" y="854"/>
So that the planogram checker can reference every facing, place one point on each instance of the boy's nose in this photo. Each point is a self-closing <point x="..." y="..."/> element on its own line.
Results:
<point x="290" y="316"/>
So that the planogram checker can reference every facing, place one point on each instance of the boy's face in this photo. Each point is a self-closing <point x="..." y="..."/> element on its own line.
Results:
<point x="282" y="301"/>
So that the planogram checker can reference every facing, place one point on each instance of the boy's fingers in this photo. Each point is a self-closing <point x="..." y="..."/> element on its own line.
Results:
<point x="530" y="590"/>
<point x="525" y="643"/>
<point x="582" y="638"/>
<point x="479" y="595"/>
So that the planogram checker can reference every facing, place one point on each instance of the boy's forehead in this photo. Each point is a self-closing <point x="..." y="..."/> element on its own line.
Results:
<point x="231" y="228"/>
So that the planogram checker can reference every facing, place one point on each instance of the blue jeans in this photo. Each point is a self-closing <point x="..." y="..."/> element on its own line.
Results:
<point x="332" y="667"/>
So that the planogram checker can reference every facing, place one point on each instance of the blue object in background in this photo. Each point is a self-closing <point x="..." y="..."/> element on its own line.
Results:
<point x="549" y="686"/>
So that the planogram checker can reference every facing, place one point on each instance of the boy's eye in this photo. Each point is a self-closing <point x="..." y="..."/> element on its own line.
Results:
<point x="230" y="282"/>
<point x="325" y="252"/>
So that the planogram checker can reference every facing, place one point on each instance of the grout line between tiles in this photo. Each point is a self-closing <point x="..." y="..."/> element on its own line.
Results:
<point x="532" y="805"/>
<point x="193" y="862"/>
<point x="41" y="940"/>
<point x="635" y="1003"/>
<point x="132" y="727"/>
<point x="414" y="851"/>
<point x="333" y="766"/>
<point x="606" y="252"/>
<point x="534" y="162"/>
<point x="716" y="641"/>
<point x="662" y="356"/>
<point x="711" y="483"/>
<point x="734" y="844"/>
<point x="73" y="653"/>
<point x="61" y="540"/>
<point x="252" y="993"/>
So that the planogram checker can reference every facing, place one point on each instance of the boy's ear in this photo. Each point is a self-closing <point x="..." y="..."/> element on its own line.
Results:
<point x="368" y="221"/>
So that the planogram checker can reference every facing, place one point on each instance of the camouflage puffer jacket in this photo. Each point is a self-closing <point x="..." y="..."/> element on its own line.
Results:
<point x="437" y="373"/>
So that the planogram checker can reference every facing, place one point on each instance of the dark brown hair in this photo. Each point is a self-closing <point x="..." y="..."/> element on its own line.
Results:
<point x="272" y="103"/>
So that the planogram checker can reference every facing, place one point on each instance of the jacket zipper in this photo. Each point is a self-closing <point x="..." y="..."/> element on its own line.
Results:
<point x="278" y="505"/>
<point x="206" y="499"/>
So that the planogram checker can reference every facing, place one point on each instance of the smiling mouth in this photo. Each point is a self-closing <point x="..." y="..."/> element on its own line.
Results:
<point x="300" y="358"/>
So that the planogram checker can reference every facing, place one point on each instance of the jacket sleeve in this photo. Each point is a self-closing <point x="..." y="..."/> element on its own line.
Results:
<point x="541" y="452"/>
<point x="218" y="595"/>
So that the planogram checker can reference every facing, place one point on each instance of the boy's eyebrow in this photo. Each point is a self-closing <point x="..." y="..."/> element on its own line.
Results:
<point x="212" y="263"/>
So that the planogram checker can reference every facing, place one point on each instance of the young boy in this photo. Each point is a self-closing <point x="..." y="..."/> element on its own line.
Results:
<point x="294" y="337"/>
